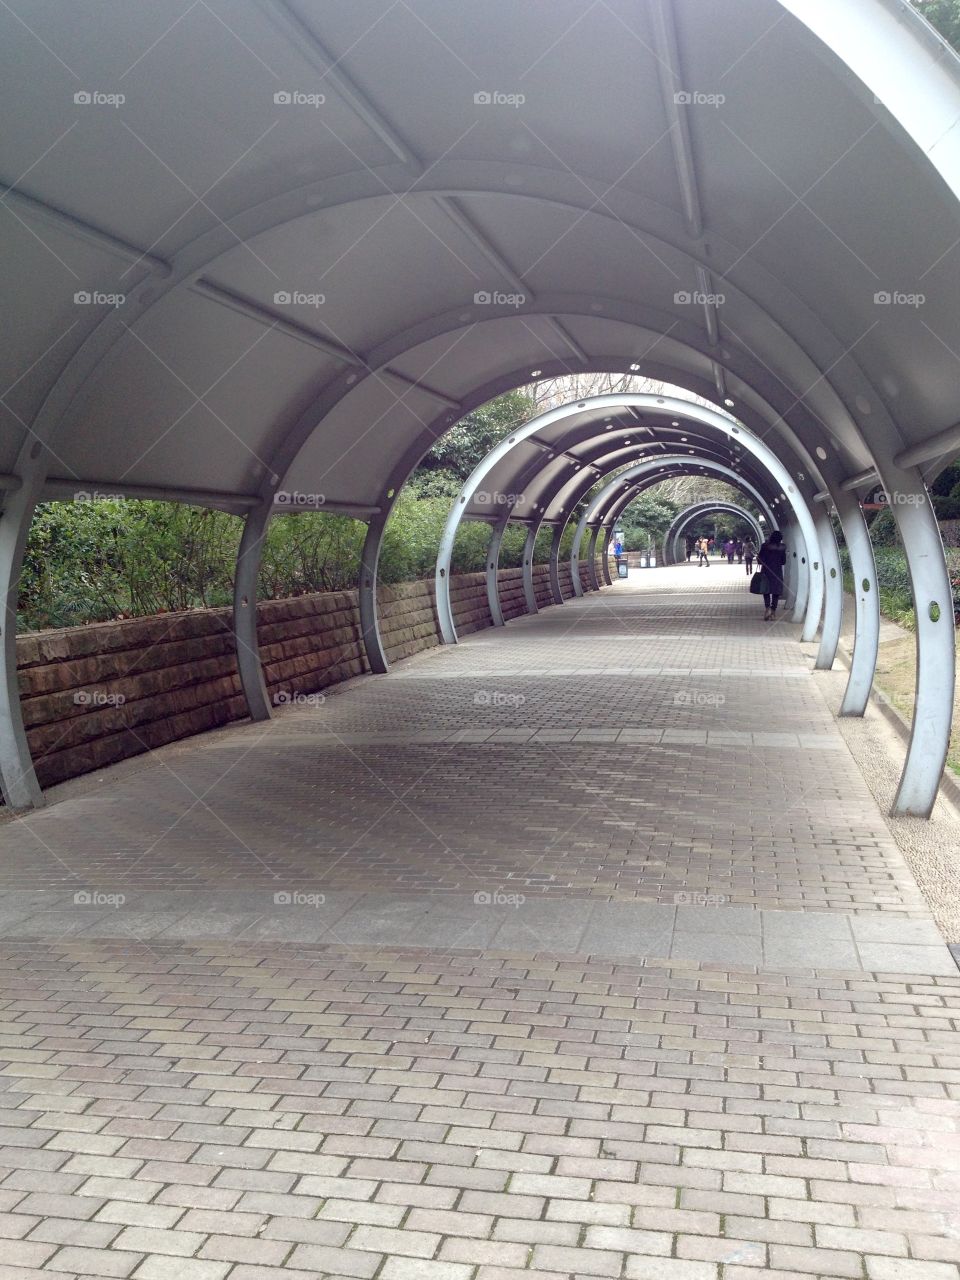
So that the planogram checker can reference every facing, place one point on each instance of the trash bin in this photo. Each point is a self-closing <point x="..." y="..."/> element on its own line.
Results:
<point x="622" y="569"/>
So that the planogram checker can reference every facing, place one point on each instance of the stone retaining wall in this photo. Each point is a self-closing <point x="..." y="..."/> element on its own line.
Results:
<point x="97" y="694"/>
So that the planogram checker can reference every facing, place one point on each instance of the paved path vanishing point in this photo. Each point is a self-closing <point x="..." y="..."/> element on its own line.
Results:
<point x="580" y="949"/>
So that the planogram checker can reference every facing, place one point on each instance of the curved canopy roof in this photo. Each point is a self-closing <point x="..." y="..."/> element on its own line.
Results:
<point x="283" y="244"/>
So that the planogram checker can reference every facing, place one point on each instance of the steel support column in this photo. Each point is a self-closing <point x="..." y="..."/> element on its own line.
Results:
<point x="832" y="589"/>
<point x="249" y="556"/>
<point x="555" y="587"/>
<point x="936" y="651"/>
<point x="575" y="553"/>
<point x="592" y="560"/>
<point x="863" y="664"/>
<point x="17" y="776"/>
<point x="529" y="593"/>
<point x="607" y="534"/>
<point x="493" y="569"/>
<point x="367" y="593"/>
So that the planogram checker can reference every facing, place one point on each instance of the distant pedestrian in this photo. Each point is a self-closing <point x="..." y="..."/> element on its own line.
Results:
<point x="772" y="559"/>
<point x="739" y="550"/>
<point x="730" y="547"/>
<point x="703" y="547"/>
<point x="749" y="551"/>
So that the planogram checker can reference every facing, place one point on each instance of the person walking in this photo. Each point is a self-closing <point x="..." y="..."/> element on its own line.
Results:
<point x="730" y="548"/>
<point x="771" y="559"/>
<point x="749" y="551"/>
<point x="738" y="547"/>
<point x="703" y="546"/>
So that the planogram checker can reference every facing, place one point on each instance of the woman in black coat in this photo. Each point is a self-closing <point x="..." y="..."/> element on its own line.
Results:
<point x="771" y="559"/>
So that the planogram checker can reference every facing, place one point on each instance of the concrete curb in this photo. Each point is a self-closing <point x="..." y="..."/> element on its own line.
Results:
<point x="949" y="785"/>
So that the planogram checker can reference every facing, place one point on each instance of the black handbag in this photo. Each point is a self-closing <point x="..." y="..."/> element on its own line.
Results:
<point x="758" y="584"/>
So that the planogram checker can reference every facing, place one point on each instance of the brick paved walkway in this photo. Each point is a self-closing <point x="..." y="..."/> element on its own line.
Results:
<point x="591" y="956"/>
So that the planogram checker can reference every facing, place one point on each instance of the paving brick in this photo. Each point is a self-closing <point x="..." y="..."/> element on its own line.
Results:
<point x="581" y="1262"/>
<point x="819" y="1261"/>
<point x="341" y="1262"/>
<point x="182" y="1244"/>
<point x="907" y="1269"/>
<point x="669" y="1269"/>
<point x="180" y="1269"/>
<point x="97" y="1262"/>
<point x="418" y="1269"/>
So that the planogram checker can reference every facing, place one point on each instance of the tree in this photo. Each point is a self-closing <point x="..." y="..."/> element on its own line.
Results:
<point x="646" y="520"/>
<point x="946" y="481"/>
<point x="457" y="452"/>
<point x="944" y="15"/>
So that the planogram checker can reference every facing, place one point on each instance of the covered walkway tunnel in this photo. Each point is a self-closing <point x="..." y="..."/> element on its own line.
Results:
<point x="603" y="942"/>
<point x="277" y="283"/>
